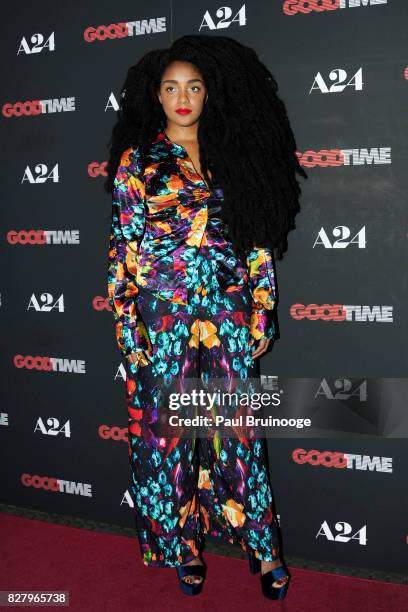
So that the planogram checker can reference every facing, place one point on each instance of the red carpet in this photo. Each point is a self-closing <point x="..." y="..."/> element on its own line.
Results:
<point x="104" y="572"/>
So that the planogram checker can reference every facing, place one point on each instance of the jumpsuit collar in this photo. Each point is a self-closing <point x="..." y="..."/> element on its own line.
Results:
<point x="178" y="151"/>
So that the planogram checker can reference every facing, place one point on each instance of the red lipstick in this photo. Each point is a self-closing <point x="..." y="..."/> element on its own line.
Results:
<point x="183" y="111"/>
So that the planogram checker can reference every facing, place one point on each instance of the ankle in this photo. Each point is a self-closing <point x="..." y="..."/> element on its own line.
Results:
<point x="195" y="561"/>
<point x="268" y="565"/>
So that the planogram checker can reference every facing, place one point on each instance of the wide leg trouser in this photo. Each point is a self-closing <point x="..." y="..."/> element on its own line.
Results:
<point x="183" y="488"/>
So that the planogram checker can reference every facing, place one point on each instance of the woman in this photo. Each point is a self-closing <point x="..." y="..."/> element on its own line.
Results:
<point x="202" y="174"/>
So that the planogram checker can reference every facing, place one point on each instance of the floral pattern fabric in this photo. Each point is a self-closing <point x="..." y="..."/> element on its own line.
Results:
<point x="178" y="290"/>
<point x="162" y="216"/>
<point x="185" y="487"/>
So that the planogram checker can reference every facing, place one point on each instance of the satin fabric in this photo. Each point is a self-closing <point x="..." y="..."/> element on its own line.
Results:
<point x="186" y="484"/>
<point x="162" y="215"/>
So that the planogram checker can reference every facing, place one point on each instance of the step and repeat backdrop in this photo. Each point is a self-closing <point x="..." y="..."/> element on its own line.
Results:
<point x="342" y="70"/>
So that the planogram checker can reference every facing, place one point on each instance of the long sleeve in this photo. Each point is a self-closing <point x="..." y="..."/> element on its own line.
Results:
<point x="263" y="290"/>
<point x="127" y="229"/>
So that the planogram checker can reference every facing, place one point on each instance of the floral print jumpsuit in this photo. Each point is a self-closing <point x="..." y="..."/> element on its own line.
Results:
<point x="177" y="289"/>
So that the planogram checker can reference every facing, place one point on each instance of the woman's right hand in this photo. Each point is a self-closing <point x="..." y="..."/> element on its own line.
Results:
<point x="139" y="358"/>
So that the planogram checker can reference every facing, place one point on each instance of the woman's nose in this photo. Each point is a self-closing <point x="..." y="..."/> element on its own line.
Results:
<point x="183" y="97"/>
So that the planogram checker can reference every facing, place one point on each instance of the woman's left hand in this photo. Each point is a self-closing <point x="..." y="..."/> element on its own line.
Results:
<point x="261" y="348"/>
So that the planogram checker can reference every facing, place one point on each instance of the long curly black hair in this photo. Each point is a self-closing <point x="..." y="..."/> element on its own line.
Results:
<point x="243" y="133"/>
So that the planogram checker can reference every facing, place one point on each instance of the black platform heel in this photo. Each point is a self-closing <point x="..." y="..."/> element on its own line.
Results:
<point x="269" y="578"/>
<point x="191" y="570"/>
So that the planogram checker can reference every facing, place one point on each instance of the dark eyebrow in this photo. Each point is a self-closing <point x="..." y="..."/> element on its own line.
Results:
<point x="173" y="81"/>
